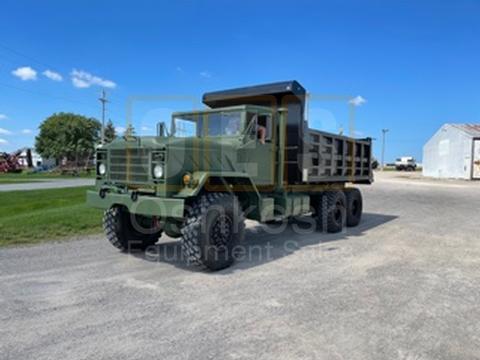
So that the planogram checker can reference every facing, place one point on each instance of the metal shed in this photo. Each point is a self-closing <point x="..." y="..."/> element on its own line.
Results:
<point x="453" y="152"/>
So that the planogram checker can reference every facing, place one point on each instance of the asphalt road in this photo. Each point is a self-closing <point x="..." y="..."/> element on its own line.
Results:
<point x="47" y="184"/>
<point x="402" y="285"/>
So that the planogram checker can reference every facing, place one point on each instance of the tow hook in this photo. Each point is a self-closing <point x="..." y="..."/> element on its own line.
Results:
<point x="134" y="196"/>
<point x="102" y="193"/>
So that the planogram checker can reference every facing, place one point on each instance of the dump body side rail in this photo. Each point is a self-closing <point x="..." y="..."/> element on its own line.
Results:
<point x="330" y="157"/>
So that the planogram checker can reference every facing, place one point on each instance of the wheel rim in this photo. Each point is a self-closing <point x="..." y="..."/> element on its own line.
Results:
<point x="221" y="230"/>
<point x="116" y="220"/>
<point x="145" y="225"/>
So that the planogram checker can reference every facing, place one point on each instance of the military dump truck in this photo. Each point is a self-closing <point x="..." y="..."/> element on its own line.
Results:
<point x="249" y="154"/>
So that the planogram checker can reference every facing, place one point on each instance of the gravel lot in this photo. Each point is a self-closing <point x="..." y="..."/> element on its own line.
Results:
<point x="405" y="284"/>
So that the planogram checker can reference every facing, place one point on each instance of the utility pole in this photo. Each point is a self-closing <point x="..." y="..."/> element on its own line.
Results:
<point x="103" y="100"/>
<point x="384" y="132"/>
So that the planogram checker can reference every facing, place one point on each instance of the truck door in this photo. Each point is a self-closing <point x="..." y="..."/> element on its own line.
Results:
<point x="257" y="153"/>
<point x="476" y="159"/>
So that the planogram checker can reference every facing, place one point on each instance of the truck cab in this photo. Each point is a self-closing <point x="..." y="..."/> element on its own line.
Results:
<point x="245" y="133"/>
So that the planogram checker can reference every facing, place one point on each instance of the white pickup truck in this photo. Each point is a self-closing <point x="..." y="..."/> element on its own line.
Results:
<point x="406" y="163"/>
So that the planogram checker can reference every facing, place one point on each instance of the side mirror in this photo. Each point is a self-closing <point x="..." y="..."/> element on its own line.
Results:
<point x="162" y="129"/>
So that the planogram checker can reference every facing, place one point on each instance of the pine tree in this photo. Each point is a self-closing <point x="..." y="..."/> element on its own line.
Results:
<point x="110" y="133"/>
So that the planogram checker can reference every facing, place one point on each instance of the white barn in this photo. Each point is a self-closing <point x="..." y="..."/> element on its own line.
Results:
<point x="453" y="152"/>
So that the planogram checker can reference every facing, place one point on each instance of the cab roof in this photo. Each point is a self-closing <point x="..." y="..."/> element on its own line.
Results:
<point x="273" y="94"/>
<point x="225" y="108"/>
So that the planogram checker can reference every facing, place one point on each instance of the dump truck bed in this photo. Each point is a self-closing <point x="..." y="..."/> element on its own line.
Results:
<point x="336" y="158"/>
<point x="312" y="156"/>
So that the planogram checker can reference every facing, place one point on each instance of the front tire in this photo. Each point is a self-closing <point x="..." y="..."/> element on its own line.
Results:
<point x="122" y="233"/>
<point x="214" y="225"/>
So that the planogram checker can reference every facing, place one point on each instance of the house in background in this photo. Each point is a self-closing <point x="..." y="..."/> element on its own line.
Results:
<point x="453" y="152"/>
<point x="30" y="158"/>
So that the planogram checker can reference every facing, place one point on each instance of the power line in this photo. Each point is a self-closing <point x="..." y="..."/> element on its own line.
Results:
<point x="26" y="56"/>
<point x="47" y="95"/>
<point x="5" y="60"/>
<point x="40" y="63"/>
<point x="53" y="68"/>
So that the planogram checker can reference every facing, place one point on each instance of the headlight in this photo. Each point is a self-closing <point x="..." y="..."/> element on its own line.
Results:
<point x="158" y="171"/>
<point x="102" y="169"/>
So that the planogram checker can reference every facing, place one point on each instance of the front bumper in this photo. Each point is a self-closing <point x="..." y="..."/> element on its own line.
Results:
<point x="142" y="205"/>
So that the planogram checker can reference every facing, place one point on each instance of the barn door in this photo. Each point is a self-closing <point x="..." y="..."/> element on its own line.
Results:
<point x="476" y="159"/>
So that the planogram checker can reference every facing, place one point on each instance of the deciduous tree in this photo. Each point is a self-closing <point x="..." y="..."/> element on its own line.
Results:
<point x="68" y="135"/>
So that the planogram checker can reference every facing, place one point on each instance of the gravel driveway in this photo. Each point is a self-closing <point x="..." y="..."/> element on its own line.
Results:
<point x="405" y="284"/>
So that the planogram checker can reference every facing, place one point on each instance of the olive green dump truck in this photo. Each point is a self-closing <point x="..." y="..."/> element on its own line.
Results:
<point x="249" y="154"/>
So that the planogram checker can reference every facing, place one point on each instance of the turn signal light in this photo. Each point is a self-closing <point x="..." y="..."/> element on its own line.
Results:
<point x="187" y="179"/>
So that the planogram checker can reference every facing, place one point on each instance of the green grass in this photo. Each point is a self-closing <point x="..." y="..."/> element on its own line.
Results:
<point x="26" y="176"/>
<point x="16" y="181"/>
<point x="42" y="215"/>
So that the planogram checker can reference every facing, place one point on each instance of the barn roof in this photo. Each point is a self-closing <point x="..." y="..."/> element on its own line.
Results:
<point x="470" y="129"/>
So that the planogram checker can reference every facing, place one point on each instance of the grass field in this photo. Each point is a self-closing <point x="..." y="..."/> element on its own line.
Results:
<point x="6" y="180"/>
<point x="42" y="215"/>
<point x="26" y="175"/>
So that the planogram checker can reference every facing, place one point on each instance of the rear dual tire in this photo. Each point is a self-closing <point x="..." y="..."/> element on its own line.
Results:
<point x="354" y="206"/>
<point x="337" y="209"/>
<point x="331" y="211"/>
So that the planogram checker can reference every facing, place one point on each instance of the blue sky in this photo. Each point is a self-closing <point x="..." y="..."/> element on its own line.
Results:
<point x="417" y="63"/>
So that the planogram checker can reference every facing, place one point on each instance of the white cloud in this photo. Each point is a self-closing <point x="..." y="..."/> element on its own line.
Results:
<point x="3" y="116"/>
<point x="5" y="132"/>
<point x="145" y="128"/>
<point x="83" y="79"/>
<point x="78" y="83"/>
<point x="52" y="75"/>
<point x="26" y="131"/>
<point x="119" y="130"/>
<point x="3" y="142"/>
<point x="25" y="73"/>
<point x="206" y="74"/>
<point x="357" y="101"/>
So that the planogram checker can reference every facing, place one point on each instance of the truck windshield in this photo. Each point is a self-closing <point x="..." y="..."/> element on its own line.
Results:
<point x="187" y="125"/>
<point x="219" y="124"/>
<point x="224" y="123"/>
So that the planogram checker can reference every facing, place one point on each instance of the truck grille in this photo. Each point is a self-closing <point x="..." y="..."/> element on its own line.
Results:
<point x="129" y="165"/>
